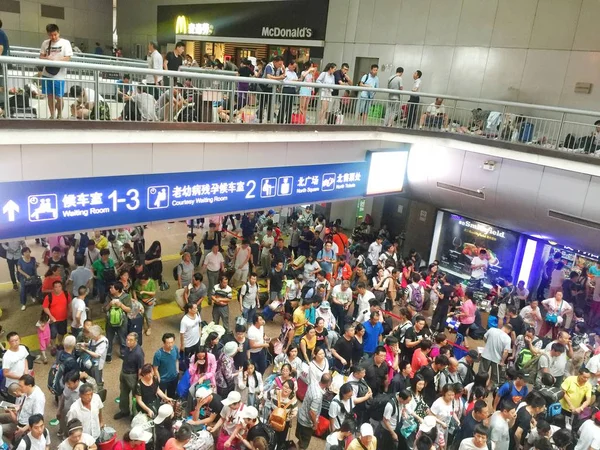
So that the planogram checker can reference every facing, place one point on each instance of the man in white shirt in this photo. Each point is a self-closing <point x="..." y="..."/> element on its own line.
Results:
<point x="248" y="296"/>
<point x="91" y="255"/>
<point x="267" y="243"/>
<point x="189" y="329"/>
<point x="593" y="365"/>
<point x="479" y="441"/>
<point x="78" y="311"/>
<point x="14" y="360"/>
<point x="499" y="424"/>
<point x="38" y="438"/>
<point x="288" y="94"/>
<point x="341" y="298"/>
<point x="479" y="266"/>
<point x="33" y="402"/>
<point x="495" y="352"/>
<point x="589" y="434"/>
<point x="435" y="115"/>
<point x="522" y="293"/>
<point x="362" y="299"/>
<point x="413" y="100"/>
<point x="375" y="250"/>
<point x="221" y="296"/>
<point x="155" y="62"/>
<point x="53" y="79"/>
<point x="88" y="410"/>
<point x="258" y="343"/>
<point x="213" y="264"/>
<point x="532" y="316"/>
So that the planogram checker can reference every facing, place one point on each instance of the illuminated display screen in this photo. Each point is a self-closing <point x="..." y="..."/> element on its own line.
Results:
<point x="387" y="172"/>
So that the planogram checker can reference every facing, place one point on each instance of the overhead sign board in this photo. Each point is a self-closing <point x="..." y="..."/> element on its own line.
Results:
<point x="38" y="208"/>
<point x="296" y="19"/>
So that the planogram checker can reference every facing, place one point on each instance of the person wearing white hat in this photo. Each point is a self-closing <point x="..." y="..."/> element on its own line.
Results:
<point x="428" y="427"/>
<point x="255" y="427"/>
<point x="231" y="420"/>
<point x="211" y="405"/>
<point x="366" y="440"/>
<point x="163" y="425"/>
<point x="226" y="370"/>
<point x="138" y="435"/>
<point x="164" y="412"/>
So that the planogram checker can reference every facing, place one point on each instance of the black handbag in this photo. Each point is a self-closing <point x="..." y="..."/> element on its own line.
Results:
<point x="51" y="70"/>
<point x="34" y="280"/>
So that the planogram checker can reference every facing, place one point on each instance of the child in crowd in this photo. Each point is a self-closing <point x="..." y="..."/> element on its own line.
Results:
<point x="43" y="332"/>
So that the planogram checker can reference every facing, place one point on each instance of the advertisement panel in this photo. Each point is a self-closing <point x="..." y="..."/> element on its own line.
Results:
<point x="297" y="19"/>
<point x="462" y="238"/>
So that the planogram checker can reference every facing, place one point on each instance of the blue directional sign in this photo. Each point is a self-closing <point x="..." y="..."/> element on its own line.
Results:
<point x="38" y="208"/>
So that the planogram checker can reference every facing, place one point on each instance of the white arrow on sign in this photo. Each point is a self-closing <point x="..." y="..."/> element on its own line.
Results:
<point x="10" y="209"/>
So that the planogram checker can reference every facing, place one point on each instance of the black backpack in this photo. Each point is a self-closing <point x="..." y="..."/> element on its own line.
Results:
<point x="56" y="375"/>
<point x="270" y="432"/>
<point x="470" y="377"/>
<point x="306" y="289"/>
<point x="175" y="274"/>
<point x="109" y="275"/>
<point x="27" y="439"/>
<point x="377" y="406"/>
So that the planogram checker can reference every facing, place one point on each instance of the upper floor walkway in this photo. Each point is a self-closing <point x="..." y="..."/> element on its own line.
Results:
<point x="94" y="93"/>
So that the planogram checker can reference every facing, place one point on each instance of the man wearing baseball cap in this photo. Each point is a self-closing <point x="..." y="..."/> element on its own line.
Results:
<point x="253" y="425"/>
<point x="211" y="405"/>
<point x="366" y="440"/>
<point x="466" y="370"/>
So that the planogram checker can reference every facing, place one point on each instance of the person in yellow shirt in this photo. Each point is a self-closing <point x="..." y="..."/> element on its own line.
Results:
<point x="300" y="320"/>
<point x="100" y="240"/>
<point x="578" y="392"/>
<point x="366" y="440"/>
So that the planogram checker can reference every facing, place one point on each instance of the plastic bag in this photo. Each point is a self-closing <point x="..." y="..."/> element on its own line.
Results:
<point x="106" y="434"/>
<point x="409" y="426"/>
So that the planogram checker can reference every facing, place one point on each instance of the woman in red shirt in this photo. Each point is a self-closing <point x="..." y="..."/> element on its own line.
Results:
<point x="50" y="277"/>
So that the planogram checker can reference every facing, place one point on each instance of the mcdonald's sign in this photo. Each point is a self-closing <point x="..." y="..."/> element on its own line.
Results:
<point x="181" y="25"/>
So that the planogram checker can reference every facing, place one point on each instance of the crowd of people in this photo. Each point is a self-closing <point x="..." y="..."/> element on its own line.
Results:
<point x="366" y="358"/>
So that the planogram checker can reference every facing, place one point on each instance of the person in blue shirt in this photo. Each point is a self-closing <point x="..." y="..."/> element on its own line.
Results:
<point x="373" y="333"/>
<point x="515" y="390"/>
<point x="370" y="80"/>
<point x="4" y="46"/>
<point x="165" y="365"/>
<point x="98" y="50"/>
<point x="125" y="88"/>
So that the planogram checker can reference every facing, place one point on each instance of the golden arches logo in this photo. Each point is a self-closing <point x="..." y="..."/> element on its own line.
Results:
<point x="181" y="25"/>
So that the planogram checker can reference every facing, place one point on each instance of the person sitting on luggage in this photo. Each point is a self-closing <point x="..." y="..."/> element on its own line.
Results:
<point x="435" y="115"/>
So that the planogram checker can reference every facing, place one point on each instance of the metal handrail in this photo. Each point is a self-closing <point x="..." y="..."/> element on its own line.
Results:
<point x="221" y="96"/>
<point x="235" y="79"/>
<point x="78" y="57"/>
<point x="18" y="48"/>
